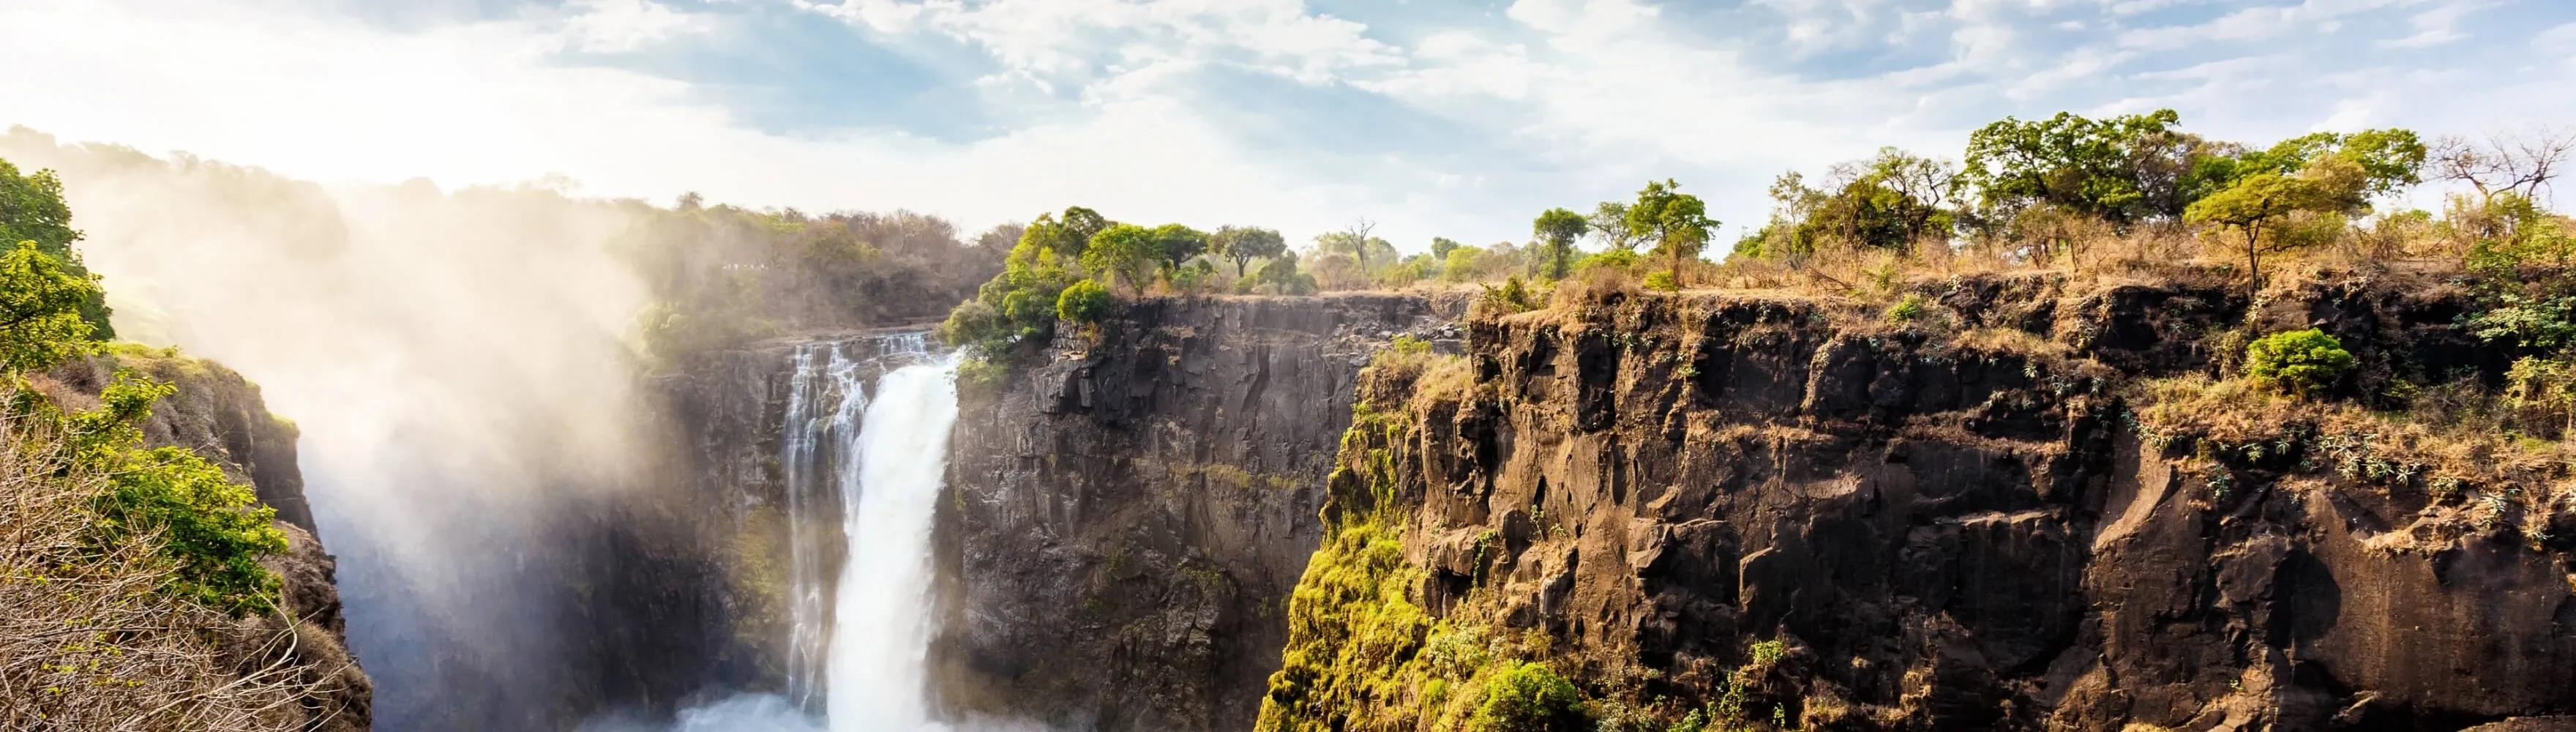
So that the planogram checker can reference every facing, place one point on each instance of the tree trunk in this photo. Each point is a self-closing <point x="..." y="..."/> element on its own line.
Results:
<point x="2253" y="266"/>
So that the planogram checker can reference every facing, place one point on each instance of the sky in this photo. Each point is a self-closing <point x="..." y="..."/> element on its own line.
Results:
<point x="1457" y="119"/>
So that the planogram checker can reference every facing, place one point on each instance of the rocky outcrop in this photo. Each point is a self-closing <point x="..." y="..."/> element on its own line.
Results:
<point x="1948" y="528"/>
<point x="220" y="416"/>
<point x="1130" y="507"/>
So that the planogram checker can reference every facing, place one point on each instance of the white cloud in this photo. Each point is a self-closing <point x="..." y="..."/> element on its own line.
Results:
<point x="610" y="26"/>
<point x="1555" y="102"/>
<point x="2435" y="27"/>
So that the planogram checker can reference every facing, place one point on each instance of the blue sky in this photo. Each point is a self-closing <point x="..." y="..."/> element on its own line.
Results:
<point x="1460" y="119"/>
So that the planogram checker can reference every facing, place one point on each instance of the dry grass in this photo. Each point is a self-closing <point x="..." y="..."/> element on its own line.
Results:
<point x="2447" y="442"/>
<point x="90" y="643"/>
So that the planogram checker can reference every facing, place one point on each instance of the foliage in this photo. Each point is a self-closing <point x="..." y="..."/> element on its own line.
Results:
<point x="1528" y="697"/>
<point x="96" y="640"/>
<point x="2111" y="169"/>
<point x="32" y="210"/>
<point x="1084" y="302"/>
<point x="1351" y="623"/>
<point x="1613" y="259"/>
<point x="1244" y="244"/>
<point x="2538" y="386"/>
<point x="1125" y="254"/>
<point x="2303" y="361"/>
<point x="1889" y="202"/>
<point x="41" y="298"/>
<point x="1462" y="265"/>
<point x="1908" y="310"/>
<point x="1676" y="223"/>
<point x="2257" y="204"/>
<point x="1441" y="246"/>
<point x="1175" y="244"/>
<point x="1279" y="276"/>
<point x="1067" y="235"/>
<point x="1514" y="296"/>
<point x="1556" y="229"/>
<point x="1662" y="280"/>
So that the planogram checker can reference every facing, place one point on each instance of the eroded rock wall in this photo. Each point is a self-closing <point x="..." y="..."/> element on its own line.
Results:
<point x="1130" y="509"/>
<point x="1952" y="530"/>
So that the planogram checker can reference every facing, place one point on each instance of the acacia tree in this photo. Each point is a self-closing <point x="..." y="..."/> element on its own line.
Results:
<point x="1556" y="229"/>
<point x="2255" y="204"/>
<point x="1244" y="244"/>
<point x="1676" y="222"/>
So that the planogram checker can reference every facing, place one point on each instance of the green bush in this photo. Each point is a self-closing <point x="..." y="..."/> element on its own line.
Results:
<point x="213" y="528"/>
<point x="1528" y="697"/>
<point x="2303" y="361"/>
<point x="1908" y="310"/>
<point x="1619" y="258"/>
<point x="1084" y="302"/>
<point x="1662" y="280"/>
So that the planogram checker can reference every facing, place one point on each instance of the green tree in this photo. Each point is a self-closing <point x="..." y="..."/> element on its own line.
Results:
<point x="40" y="309"/>
<point x="2110" y="169"/>
<point x="1066" y="235"/>
<point x="1179" y="244"/>
<point x="1244" y="244"/>
<point x="2256" y="204"/>
<point x="1676" y="222"/>
<point x="32" y="209"/>
<point x="1441" y="246"/>
<point x="1556" y="229"/>
<point x="1126" y="252"/>
<point x="1084" y="302"/>
<point x="1355" y="241"/>
<point x="1463" y="264"/>
<point x="1609" y="223"/>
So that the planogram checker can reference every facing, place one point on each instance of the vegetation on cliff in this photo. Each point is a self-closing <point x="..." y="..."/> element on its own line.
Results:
<point x="123" y="565"/>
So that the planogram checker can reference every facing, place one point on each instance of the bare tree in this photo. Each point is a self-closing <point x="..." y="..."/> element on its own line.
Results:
<point x="1359" y="233"/>
<point x="2521" y="162"/>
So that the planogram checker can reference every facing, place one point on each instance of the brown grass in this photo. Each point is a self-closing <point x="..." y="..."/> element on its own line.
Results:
<point x="89" y="641"/>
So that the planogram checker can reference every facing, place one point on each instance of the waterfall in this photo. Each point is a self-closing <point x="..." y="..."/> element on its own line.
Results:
<point x="881" y="638"/>
<point x="876" y="458"/>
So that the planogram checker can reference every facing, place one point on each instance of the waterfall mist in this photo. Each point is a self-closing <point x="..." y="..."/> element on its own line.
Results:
<point x="458" y="368"/>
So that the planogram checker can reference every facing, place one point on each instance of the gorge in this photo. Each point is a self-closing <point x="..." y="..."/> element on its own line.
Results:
<point x="2011" y="499"/>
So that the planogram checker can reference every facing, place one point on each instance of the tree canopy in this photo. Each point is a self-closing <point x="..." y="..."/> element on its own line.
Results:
<point x="32" y="210"/>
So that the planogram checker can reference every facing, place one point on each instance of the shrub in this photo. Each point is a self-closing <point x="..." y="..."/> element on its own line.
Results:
<point x="1662" y="280"/>
<point x="214" y="529"/>
<point x="2303" y="361"/>
<point x="1908" y="310"/>
<point x="1528" y="697"/>
<point x="1084" y="302"/>
<point x="1615" y="258"/>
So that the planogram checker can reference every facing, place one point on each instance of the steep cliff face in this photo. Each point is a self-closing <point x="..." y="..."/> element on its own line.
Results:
<point x="1128" y="513"/>
<point x="1778" y="512"/>
<point x="219" y="415"/>
<point x="730" y="411"/>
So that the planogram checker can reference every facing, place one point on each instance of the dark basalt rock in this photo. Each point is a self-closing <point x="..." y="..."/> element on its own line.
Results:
<point x="1128" y="513"/>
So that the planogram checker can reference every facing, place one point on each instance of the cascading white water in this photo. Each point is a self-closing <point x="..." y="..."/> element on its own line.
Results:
<point x="881" y="635"/>
<point x="824" y="404"/>
<point x="877" y="458"/>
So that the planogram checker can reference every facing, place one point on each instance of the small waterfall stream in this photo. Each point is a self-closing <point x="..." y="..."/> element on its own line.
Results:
<point x="857" y="644"/>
